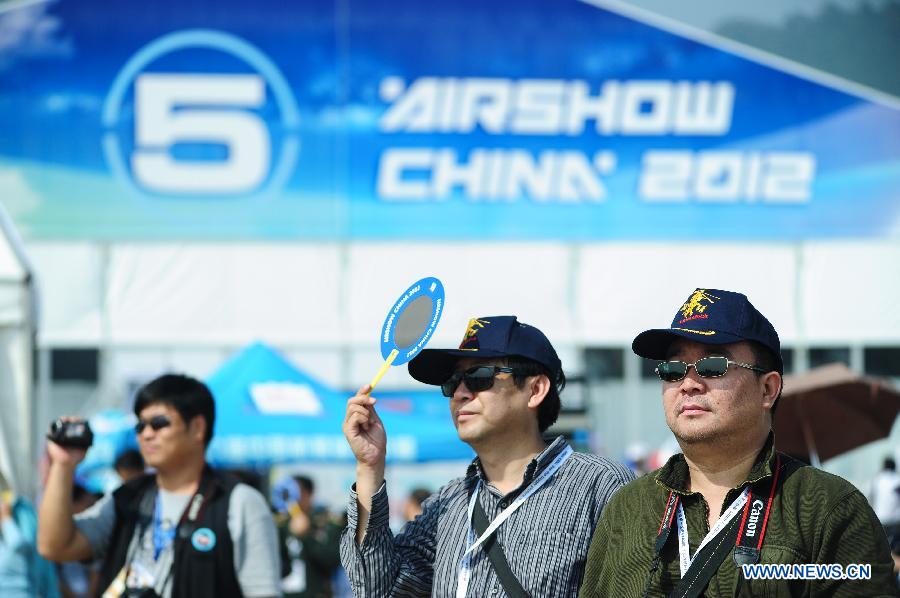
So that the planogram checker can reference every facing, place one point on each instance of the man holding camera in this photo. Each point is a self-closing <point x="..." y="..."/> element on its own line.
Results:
<point x="730" y="515"/>
<point x="521" y="519"/>
<point x="184" y="532"/>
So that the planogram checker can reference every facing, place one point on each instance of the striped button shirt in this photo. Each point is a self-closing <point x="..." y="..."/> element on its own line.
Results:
<point x="545" y="541"/>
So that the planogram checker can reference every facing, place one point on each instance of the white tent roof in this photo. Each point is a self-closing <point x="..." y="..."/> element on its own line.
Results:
<point x="16" y="349"/>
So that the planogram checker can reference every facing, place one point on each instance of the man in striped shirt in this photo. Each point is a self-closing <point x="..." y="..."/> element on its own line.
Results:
<point x="534" y="505"/>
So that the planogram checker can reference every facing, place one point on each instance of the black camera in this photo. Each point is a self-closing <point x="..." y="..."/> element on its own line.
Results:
<point x="73" y="433"/>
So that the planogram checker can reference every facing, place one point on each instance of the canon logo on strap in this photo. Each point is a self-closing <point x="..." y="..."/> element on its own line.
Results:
<point x="754" y="517"/>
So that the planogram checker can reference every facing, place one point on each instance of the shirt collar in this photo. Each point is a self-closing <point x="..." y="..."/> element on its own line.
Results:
<point x="674" y="475"/>
<point x="474" y="472"/>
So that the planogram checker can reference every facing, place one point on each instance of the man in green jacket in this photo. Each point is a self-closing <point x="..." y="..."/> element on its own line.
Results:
<point x="730" y="500"/>
<point x="312" y="542"/>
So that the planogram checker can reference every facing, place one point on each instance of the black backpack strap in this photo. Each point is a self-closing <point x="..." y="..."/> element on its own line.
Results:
<point x="145" y="507"/>
<point x="495" y="553"/>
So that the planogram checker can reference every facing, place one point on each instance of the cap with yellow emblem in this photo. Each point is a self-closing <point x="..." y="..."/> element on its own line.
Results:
<point x="487" y="338"/>
<point x="712" y="317"/>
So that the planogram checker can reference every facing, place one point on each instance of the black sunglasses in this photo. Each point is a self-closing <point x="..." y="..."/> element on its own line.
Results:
<point x="157" y="422"/>
<point x="706" y="367"/>
<point x="478" y="378"/>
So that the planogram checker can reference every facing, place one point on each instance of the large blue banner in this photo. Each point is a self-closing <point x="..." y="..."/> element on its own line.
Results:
<point x="420" y="120"/>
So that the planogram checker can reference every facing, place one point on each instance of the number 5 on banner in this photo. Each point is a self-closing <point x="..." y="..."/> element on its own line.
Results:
<point x="198" y="108"/>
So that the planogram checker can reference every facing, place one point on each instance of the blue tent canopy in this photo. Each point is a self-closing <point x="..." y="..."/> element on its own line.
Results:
<point x="270" y="412"/>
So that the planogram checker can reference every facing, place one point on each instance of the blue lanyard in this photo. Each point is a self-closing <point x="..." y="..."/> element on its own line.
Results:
<point x="161" y="538"/>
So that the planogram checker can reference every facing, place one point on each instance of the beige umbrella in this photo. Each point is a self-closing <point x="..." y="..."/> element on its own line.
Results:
<point x="830" y="410"/>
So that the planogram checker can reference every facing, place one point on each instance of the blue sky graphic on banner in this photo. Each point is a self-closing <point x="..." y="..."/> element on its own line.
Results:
<point x="420" y="120"/>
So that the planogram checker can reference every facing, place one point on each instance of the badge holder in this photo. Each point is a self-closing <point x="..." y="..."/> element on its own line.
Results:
<point x="410" y="323"/>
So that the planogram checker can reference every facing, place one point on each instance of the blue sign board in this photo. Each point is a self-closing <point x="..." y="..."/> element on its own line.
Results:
<point x="420" y="120"/>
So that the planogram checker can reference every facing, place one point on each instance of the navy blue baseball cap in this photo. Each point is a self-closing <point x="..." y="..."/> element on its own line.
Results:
<point x="487" y="338"/>
<point x="712" y="317"/>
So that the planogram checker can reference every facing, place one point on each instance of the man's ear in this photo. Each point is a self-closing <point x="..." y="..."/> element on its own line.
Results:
<point x="197" y="428"/>
<point x="772" y="383"/>
<point x="539" y="387"/>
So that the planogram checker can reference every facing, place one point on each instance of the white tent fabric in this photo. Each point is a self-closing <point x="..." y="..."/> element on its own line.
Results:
<point x="626" y="288"/>
<point x="17" y="464"/>
<point x="222" y="293"/>
<point x="151" y="306"/>
<point x="852" y="289"/>
<point x="331" y="295"/>
<point x="72" y="287"/>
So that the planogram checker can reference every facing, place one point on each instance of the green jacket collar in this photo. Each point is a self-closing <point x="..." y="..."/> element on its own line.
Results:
<point x="675" y="477"/>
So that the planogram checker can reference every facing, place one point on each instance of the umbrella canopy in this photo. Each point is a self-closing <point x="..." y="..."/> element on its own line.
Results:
<point x="270" y="412"/>
<point x="830" y="410"/>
